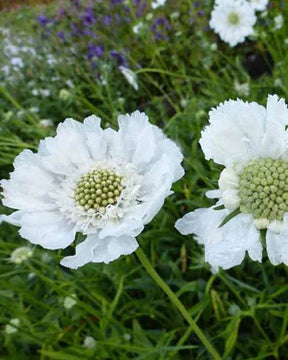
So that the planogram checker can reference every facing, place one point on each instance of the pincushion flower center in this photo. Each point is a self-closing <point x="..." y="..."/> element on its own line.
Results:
<point x="263" y="189"/>
<point x="233" y="18"/>
<point x="98" y="189"/>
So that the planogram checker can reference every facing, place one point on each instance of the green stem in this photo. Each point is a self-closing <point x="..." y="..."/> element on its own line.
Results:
<point x="174" y="299"/>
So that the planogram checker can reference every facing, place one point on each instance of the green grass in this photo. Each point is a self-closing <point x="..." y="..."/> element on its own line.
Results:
<point x="243" y="311"/>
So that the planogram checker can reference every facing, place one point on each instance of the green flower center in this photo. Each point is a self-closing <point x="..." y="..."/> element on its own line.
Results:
<point x="98" y="189"/>
<point x="233" y="18"/>
<point x="263" y="189"/>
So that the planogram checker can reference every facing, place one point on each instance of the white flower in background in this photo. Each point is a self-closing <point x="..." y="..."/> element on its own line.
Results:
<point x="233" y="21"/>
<point x="278" y="22"/>
<point x="44" y="92"/>
<point x="259" y="5"/>
<point x="89" y="342"/>
<point x="242" y="89"/>
<point x="105" y="184"/>
<point x="17" y="62"/>
<point x="64" y="94"/>
<point x="21" y="254"/>
<point x="130" y="76"/>
<point x="46" y="123"/>
<point x="214" y="47"/>
<point x="69" y="302"/>
<point x="157" y="3"/>
<point x="251" y="141"/>
<point x="137" y="28"/>
<point x="12" y="327"/>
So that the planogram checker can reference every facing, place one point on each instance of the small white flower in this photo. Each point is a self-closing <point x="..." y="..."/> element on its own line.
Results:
<point x="149" y="16"/>
<point x="89" y="342"/>
<point x="259" y="5"/>
<point x="12" y="327"/>
<point x="35" y="92"/>
<point x="34" y="110"/>
<point x="130" y="76"/>
<point x="105" y="184"/>
<point x="157" y="3"/>
<point x="242" y="89"/>
<point x="21" y="254"/>
<point x="64" y="94"/>
<point x="69" y="302"/>
<point x="214" y="47"/>
<point x="44" y="92"/>
<point x="251" y="141"/>
<point x="17" y="62"/>
<point x="278" y="22"/>
<point x="137" y="28"/>
<point x="233" y="21"/>
<point x="127" y="337"/>
<point x="70" y="84"/>
<point x="278" y="82"/>
<point x="46" y="123"/>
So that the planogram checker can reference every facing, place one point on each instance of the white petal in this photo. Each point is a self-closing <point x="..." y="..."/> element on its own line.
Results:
<point x="201" y="222"/>
<point x="47" y="229"/>
<point x="224" y="246"/>
<point x="213" y="194"/>
<point x="275" y="139"/>
<point x="68" y="149"/>
<point x="13" y="219"/>
<point x="28" y="185"/>
<point x="231" y="199"/>
<point x="94" y="249"/>
<point x="235" y="132"/>
<point x="94" y="136"/>
<point x="228" y="179"/>
<point x="126" y="226"/>
<point x="277" y="247"/>
<point x="238" y="236"/>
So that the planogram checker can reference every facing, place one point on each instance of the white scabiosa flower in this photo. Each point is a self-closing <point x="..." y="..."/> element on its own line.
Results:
<point x="130" y="76"/>
<point x="70" y="301"/>
<point x="259" y="5"/>
<point x="251" y="142"/>
<point x="12" y="327"/>
<point x="241" y="89"/>
<point x="105" y="184"/>
<point x="89" y="342"/>
<point x="278" y="22"/>
<point x="233" y="21"/>
<point x="21" y="254"/>
<point x="157" y="3"/>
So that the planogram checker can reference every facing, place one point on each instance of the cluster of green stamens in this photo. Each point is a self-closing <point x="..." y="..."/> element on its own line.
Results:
<point x="233" y="18"/>
<point x="98" y="189"/>
<point x="263" y="189"/>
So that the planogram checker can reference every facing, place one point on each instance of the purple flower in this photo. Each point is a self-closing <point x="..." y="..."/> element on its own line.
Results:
<point x="61" y="35"/>
<point x="107" y="20"/>
<point x="43" y="20"/>
<point x="119" y="57"/>
<point x="94" y="51"/>
<point x="88" y="18"/>
<point x="159" y="27"/>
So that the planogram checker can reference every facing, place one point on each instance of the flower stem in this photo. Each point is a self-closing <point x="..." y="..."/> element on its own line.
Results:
<point x="174" y="299"/>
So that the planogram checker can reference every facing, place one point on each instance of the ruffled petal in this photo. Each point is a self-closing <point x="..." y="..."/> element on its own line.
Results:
<point x="47" y="229"/>
<point x="94" y="249"/>
<point x="235" y="132"/>
<point x="67" y="150"/>
<point x="277" y="247"/>
<point x="275" y="139"/>
<point x="29" y="184"/>
<point x="224" y="246"/>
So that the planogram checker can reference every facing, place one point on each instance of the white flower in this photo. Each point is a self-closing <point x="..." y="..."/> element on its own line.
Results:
<point x="64" y="94"/>
<point x="17" y="62"/>
<point x="21" y="254"/>
<point x="89" y="342"/>
<point x="251" y="141"/>
<point x="242" y="89"/>
<point x="259" y="5"/>
<point x="278" y="22"/>
<point x="46" y="123"/>
<point x="12" y="327"/>
<point x="69" y="302"/>
<point x="233" y="21"/>
<point x="105" y="184"/>
<point x="157" y="3"/>
<point x="137" y="28"/>
<point x="130" y="76"/>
